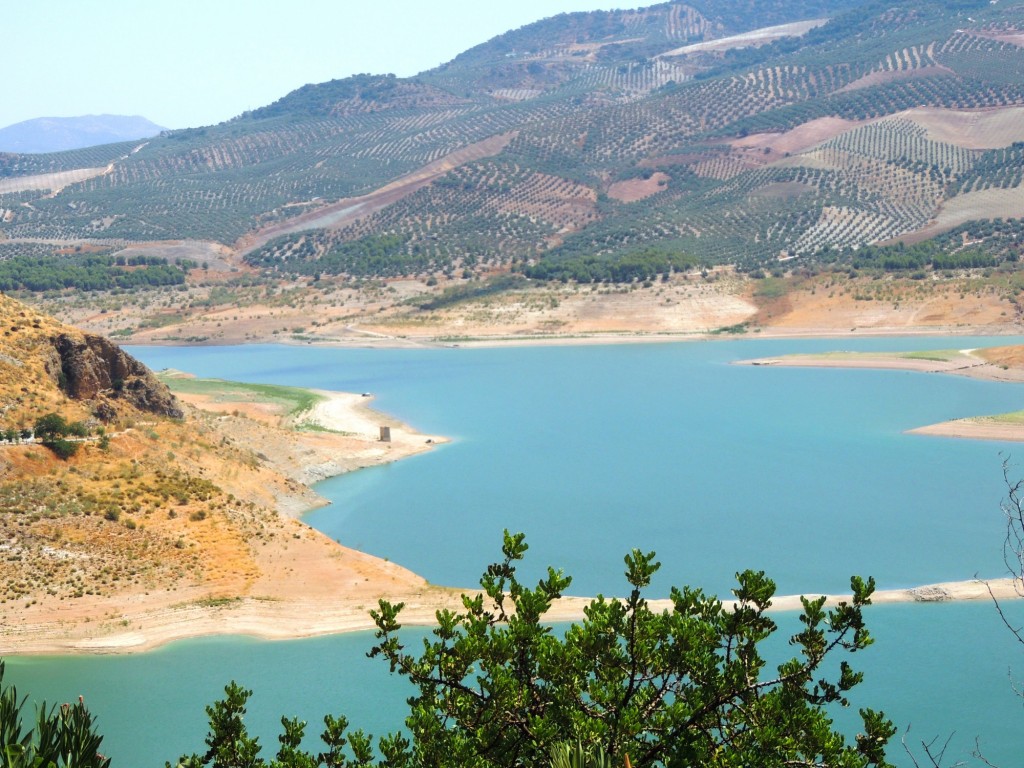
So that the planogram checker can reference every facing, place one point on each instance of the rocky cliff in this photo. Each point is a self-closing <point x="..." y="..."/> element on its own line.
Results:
<point x="46" y="367"/>
<point x="88" y="367"/>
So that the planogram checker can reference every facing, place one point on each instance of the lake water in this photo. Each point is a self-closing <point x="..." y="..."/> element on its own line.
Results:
<point x="805" y="473"/>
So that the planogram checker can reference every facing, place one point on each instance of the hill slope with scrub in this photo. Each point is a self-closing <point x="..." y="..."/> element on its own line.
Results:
<point x="124" y="507"/>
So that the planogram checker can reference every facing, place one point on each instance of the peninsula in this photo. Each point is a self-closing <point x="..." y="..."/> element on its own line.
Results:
<point x="1003" y="363"/>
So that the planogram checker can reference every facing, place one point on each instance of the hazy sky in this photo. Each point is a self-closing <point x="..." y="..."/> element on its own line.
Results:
<point x="195" y="62"/>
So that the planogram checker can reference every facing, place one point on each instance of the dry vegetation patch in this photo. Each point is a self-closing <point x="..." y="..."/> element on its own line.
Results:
<point x="835" y="303"/>
<point x="800" y="138"/>
<point x="631" y="190"/>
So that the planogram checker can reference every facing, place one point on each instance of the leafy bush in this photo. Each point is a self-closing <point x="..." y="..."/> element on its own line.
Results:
<point x="497" y="686"/>
<point x="63" y="737"/>
<point x="62" y="449"/>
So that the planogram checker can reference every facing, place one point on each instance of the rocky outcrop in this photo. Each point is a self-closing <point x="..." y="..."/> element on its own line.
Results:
<point x="932" y="593"/>
<point x="88" y="367"/>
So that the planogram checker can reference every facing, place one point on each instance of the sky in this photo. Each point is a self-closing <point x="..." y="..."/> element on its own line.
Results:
<point x="188" y="63"/>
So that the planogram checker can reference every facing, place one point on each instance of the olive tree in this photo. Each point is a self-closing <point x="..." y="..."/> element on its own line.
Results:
<point x="497" y="686"/>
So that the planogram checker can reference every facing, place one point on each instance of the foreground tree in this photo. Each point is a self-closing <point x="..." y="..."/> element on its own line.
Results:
<point x="688" y="686"/>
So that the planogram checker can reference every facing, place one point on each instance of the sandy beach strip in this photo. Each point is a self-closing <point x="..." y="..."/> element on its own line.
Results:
<point x="349" y="413"/>
<point x="570" y="338"/>
<point x="304" y="617"/>
<point x="894" y="361"/>
<point x="981" y="428"/>
<point x="963" y="362"/>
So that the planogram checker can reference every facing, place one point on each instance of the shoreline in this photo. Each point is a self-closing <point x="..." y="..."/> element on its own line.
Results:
<point x="973" y="428"/>
<point x="376" y="340"/>
<point x="336" y="586"/>
<point x="269" y="620"/>
<point x="337" y="433"/>
<point x="305" y="581"/>
<point x="963" y="362"/>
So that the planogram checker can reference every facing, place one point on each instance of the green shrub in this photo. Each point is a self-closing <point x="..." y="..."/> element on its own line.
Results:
<point x="63" y="737"/>
<point x="497" y="687"/>
<point x="62" y="449"/>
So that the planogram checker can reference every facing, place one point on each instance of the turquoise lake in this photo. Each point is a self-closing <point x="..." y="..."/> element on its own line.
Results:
<point x="804" y="473"/>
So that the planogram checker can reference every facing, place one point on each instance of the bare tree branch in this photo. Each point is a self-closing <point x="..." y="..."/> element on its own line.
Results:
<point x="934" y="758"/>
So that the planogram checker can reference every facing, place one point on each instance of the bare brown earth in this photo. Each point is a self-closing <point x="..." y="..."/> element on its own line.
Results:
<point x="52" y="181"/>
<point x="271" y="576"/>
<point x="979" y="205"/>
<point x="1017" y="38"/>
<point x="800" y="138"/>
<point x="896" y="307"/>
<point x="973" y="129"/>
<point x="755" y="37"/>
<point x="883" y="76"/>
<point x="55" y="182"/>
<point x="686" y="306"/>
<point x="631" y="190"/>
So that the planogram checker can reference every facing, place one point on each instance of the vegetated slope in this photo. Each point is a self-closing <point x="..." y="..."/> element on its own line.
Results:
<point x="128" y="502"/>
<point x="59" y="134"/>
<point x="857" y="131"/>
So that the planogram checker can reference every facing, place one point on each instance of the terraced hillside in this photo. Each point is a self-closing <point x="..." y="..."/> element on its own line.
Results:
<point x="745" y="132"/>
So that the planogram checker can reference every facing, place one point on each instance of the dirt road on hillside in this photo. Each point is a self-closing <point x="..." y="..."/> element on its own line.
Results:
<point x="350" y="209"/>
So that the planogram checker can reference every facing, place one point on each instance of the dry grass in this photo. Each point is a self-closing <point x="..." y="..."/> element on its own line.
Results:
<point x="1006" y="357"/>
<point x="979" y="129"/>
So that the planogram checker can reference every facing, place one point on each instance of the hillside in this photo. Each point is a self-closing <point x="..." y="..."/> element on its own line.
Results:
<point x="609" y="146"/>
<point x="161" y="519"/>
<point x="60" y="134"/>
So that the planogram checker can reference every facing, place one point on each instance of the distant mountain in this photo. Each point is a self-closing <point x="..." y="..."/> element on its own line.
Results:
<point x="57" y="134"/>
